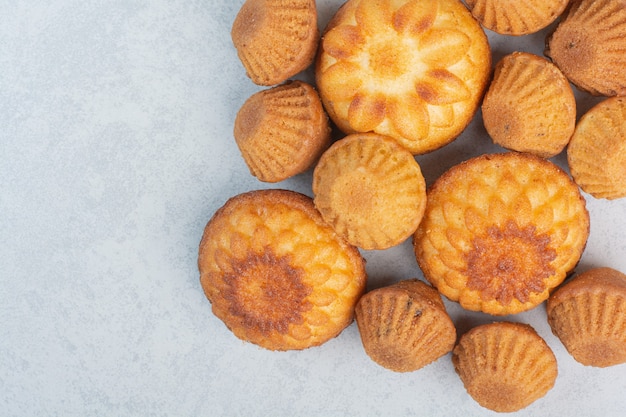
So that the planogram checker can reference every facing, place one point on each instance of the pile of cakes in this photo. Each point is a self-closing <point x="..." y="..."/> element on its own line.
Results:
<point x="497" y="233"/>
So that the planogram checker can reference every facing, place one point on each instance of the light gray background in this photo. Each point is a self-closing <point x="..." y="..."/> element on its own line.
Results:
<point x="116" y="148"/>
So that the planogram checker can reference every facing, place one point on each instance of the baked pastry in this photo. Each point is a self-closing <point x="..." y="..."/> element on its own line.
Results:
<point x="282" y="131"/>
<point x="512" y="17"/>
<point x="500" y="231"/>
<point x="505" y="366"/>
<point x="276" y="274"/>
<point x="588" y="46"/>
<point x="414" y="70"/>
<point x="597" y="151"/>
<point x="529" y="106"/>
<point x="404" y="326"/>
<point x="275" y="39"/>
<point x="588" y="314"/>
<point x="370" y="189"/>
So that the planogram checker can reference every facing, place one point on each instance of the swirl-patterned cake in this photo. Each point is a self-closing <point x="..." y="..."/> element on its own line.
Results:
<point x="276" y="274"/>
<point x="414" y="70"/>
<point x="500" y="231"/>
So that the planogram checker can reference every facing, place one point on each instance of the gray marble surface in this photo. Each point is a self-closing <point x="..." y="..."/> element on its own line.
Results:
<point x="116" y="148"/>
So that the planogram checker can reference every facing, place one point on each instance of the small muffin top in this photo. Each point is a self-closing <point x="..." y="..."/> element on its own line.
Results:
<point x="597" y="151"/>
<point x="529" y="106"/>
<point x="370" y="190"/>
<point x="276" y="274"/>
<point x="275" y="39"/>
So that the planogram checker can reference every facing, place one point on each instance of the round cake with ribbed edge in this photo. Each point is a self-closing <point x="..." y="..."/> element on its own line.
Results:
<point x="276" y="274"/>
<point x="414" y="70"/>
<point x="404" y="326"/>
<point x="500" y="231"/>
<point x="529" y="106"/>
<point x="370" y="190"/>
<point x="505" y="366"/>
<point x="588" y="315"/>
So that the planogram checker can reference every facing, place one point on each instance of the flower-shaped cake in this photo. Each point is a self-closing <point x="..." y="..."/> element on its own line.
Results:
<point x="413" y="70"/>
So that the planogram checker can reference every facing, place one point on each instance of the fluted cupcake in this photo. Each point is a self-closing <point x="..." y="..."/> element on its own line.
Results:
<point x="404" y="326"/>
<point x="588" y="46"/>
<point x="513" y="17"/>
<point x="505" y="366"/>
<point x="414" y="70"/>
<point x="500" y="231"/>
<point x="588" y="314"/>
<point x="597" y="152"/>
<point x="529" y="106"/>
<point x="275" y="39"/>
<point x="370" y="189"/>
<point x="282" y="131"/>
<point x="276" y="274"/>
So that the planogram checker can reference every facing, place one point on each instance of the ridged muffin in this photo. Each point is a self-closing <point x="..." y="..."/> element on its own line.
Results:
<point x="404" y="326"/>
<point x="505" y="366"/>
<point x="275" y="39"/>
<point x="588" y="46"/>
<point x="513" y="17"/>
<point x="529" y="106"/>
<point x="370" y="190"/>
<point x="588" y="315"/>
<point x="414" y="70"/>
<point x="596" y="154"/>
<point x="282" y="131"/>
<point x="500" y="231"/>
<point x="276" y="274"/>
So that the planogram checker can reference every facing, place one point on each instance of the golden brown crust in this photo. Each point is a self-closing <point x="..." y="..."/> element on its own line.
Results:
<point x="275" y="39"/>
<point x="588" y="315"/>
<point x="588" y="46"/>
<point x="529" y="106"/>
<point x="514" y="17"/>
<point x="276" y="274"/>
<point x="282" y="131"/>
<point x="411" y="70"/>
<point x="370" y="189"/>
<point x="500" y="231"/>
<point x="597" y="151"/>
<point x="505" y="366"/>
<point x="404" y="326"/>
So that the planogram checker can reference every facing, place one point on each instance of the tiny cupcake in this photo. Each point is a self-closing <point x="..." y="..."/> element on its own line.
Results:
<point x="404" y="326"/>
<point x="505" y="366"/>
<point x="597" y="151"/>
<point x="370" y="189"/>
<point x="529" y="106"/>
<point x="512" y="17"/>
<point x="282" y="131"/>
<point x="275" y="39"/>
<point x="588" y="315"/>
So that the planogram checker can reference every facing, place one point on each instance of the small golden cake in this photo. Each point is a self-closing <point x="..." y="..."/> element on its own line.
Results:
<point x="500" y="231"/>
<point x="414" y="70"/>
<point x="370" y="189"/>
<point x="505" y="366"/>
<point x="588" y="314"/>
<point x="276" y="274"/>
<point x="275" y="39"/>
<point x="597" y="152"/>
<point x="405" y="326"/>
<point x="529" y="106"/>
<point x="514" y="17"/>
<point x="588" y="46"/>
<point x="282" y="131"/>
